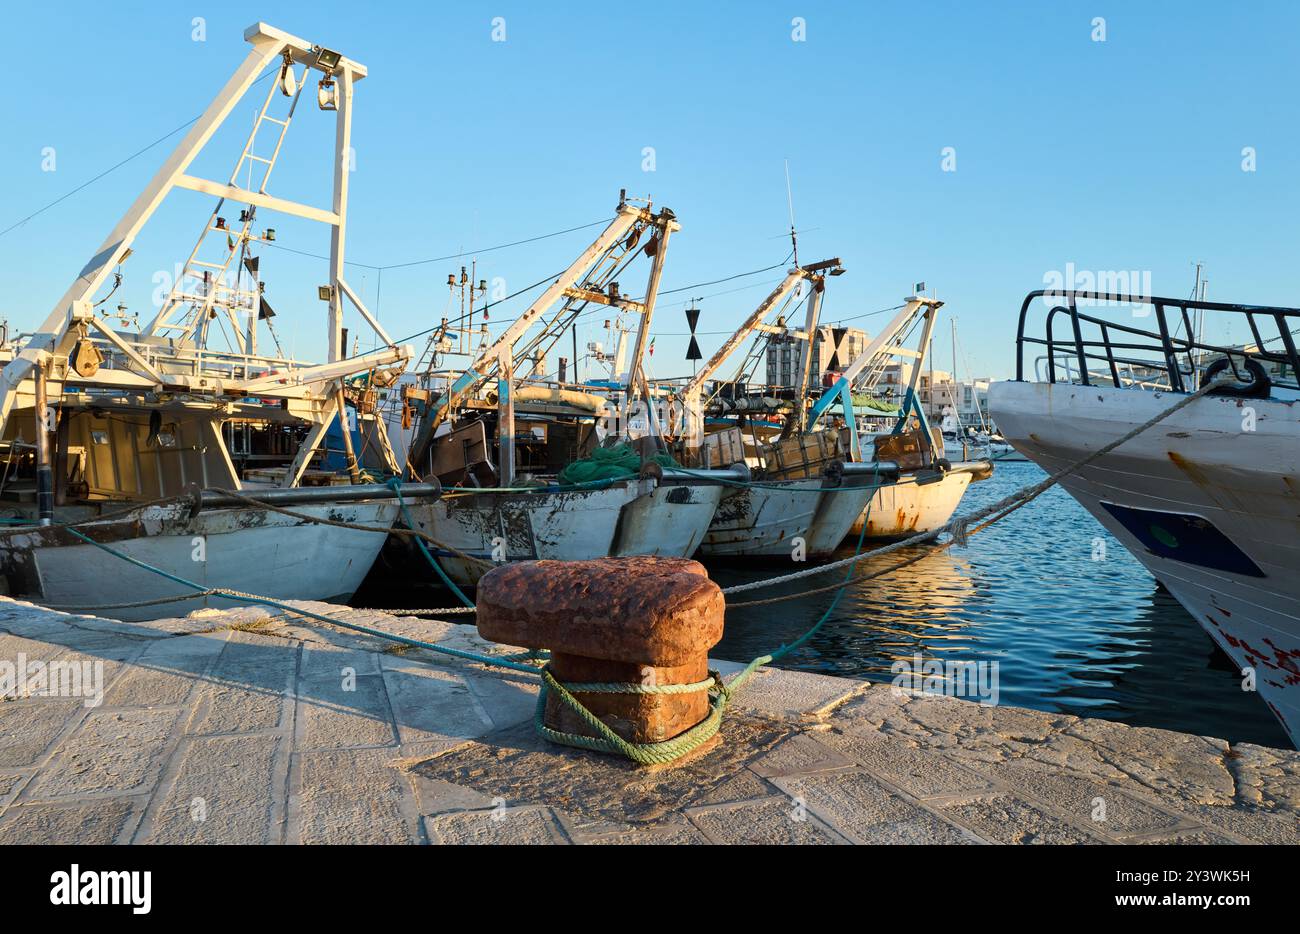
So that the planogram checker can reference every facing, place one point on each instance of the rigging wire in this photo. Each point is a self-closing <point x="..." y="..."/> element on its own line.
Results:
<point x="827" y="323"/>
<point x="188" y="123"/>
<point x="499" y="246"/>
<point x="140" y="152"/>
<point x="439" y="259"/>
<point x="739" y="275"/>
<point x="87" y="184"/>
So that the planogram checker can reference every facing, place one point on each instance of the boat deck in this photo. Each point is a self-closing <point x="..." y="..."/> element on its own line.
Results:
<point x="244" y="726"/>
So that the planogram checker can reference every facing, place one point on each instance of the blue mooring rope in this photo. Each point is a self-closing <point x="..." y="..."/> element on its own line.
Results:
<point x="395" y="484"/>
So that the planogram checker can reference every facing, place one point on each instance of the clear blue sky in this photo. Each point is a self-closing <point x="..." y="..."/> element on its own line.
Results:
<point x="1115" y="155"/>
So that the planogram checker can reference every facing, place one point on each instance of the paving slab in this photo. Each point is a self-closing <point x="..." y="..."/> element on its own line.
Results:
<point x="247" y="686"/>
<point x="151" y="687"/>
<point x="858" y="806"/>
<point x="112" y="752"/>
<point x="777" y="693"/>
<point x="1006" y="818"/>
<point x="99" y="822"/>
<point x="800" y="753"/>
<point x="29" y="728"/>
<point x="218" y="794"/>
<point x="350" y="796"/>
<point x="914" y="769"/>
<point x="507" y="699"/>
<point x="185" y="651"/>
<point x="1115" y="811"/>
<point x="336" y="662"/>
<point x="225" y="707"/>
<point x="334" y="714"/>
<point x="673" y="831"/>
<point x="436" y="796"/>
<point x="526" y="826"/>
<point x="433" y="704"/>
<point x="768" y="821"/>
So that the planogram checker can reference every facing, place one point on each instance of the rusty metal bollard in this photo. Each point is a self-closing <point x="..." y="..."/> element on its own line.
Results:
<point x="642" y="620"/>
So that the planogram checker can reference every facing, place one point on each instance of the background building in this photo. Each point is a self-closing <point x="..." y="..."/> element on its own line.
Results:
<point x="834" y="349"/>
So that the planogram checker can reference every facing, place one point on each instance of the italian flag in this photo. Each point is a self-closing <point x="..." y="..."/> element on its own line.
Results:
<point x="651" y="350"/>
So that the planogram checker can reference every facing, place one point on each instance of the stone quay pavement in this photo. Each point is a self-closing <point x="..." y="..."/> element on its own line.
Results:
<point x="252" y="726"/>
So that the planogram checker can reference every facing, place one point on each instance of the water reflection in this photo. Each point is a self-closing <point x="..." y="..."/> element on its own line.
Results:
<point x="1070" y="633"/>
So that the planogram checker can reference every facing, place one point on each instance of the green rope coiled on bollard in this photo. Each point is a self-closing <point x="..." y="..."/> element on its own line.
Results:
<point x="609" y="741"/>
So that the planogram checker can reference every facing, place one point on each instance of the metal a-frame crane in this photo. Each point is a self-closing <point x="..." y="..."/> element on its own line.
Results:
<point x="690" y="395"/>
<point x="866" y="370"/>
<point x="151" y="362"/>
<point x="589" y="279"/>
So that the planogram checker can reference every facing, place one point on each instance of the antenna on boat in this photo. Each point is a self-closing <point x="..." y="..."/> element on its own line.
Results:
<point x="1198" y="295"/>
<point x="794" y="238"/>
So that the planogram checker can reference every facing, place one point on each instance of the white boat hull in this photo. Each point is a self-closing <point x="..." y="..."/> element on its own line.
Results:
<point x="839" y="511"/>
<point x="916" y="503"/>
<point x="243" y="548"/>
<point x="636" y="517"/>
<point x="762" y="520"/>
<point x="1210" y="508"/>
<point x="671" y="521"/>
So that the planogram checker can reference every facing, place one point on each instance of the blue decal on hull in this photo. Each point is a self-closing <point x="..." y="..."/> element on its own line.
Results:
<point x="1183" y="537"/>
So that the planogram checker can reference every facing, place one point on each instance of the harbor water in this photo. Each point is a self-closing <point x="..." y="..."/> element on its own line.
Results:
<point x="1075" y="624"/>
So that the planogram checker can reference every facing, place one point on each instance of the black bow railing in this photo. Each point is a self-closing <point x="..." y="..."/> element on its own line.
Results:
<point x="1093" y="348"/>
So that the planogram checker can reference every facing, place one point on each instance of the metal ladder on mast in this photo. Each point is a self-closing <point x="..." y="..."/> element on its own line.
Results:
<point x="210" y="276"/>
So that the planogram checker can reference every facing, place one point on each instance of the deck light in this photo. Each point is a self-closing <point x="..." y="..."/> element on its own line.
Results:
<point x="324" y="292"/>
<point x="327" y="59"/>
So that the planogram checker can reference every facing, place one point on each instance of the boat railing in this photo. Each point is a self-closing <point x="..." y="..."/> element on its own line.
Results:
<point x="196" y="361"/>
<point x="1090" y="347"/>
<point x="1132" y="373"/>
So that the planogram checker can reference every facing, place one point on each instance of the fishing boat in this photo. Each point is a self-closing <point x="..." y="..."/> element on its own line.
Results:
<point x="926" y="486"/>
<point x="157" y="446"/>
<point x="800" y="500"/>
<point x="503" y="434"/>
<point x="1208" y="498"/>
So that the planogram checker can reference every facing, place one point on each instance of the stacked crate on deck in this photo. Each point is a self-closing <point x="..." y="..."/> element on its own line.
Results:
<point x="722" y="449"/>
<point x="801" y="456"/>
<point x="908" y="449"/>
